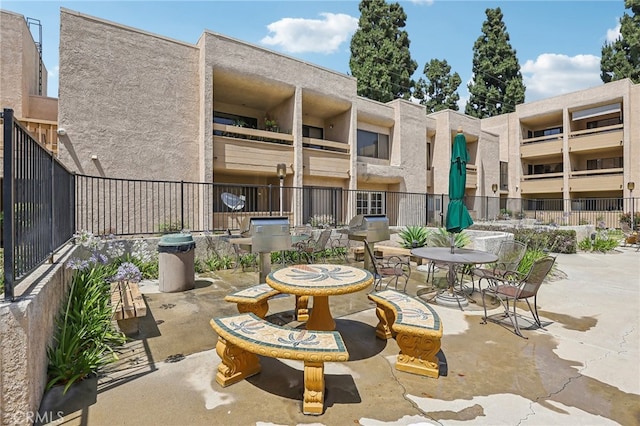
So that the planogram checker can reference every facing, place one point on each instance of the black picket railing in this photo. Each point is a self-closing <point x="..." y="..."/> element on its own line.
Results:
<point x="38" y="203"/>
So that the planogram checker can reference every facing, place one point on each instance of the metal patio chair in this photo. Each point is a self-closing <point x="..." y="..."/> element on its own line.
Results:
<point x="392" y="269"/>
<point x="517" y="288"/>
<point x="312" y="249"/>
<point x="510" y="254"/>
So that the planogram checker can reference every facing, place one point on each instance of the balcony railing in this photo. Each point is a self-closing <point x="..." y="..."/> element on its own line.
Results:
<point x="592" y="140"/>
<point x="238" y="132"/>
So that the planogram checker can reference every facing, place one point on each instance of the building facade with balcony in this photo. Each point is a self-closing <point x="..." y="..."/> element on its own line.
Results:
<point x="582" y="147"/>
<point x="226" y="111"/>
<point x="139" y="105"/>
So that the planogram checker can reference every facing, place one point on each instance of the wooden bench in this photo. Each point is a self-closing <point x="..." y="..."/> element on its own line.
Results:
<point x="415" y="326"/>
<point x="127" y="305"/>
<point x="242" y="337"/>
<point x="256" y="299"/>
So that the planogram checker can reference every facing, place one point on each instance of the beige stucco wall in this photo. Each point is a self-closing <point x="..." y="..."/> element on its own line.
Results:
<point x="12" y="89"/>
<point x="26" y="330"/>
<point x="130" y="98"/>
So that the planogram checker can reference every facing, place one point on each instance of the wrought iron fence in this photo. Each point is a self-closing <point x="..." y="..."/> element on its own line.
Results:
<point x="44" y="205"/>
<point x="38" y="203"/>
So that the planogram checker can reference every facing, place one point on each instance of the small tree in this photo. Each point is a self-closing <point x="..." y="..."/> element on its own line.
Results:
<point x="621" y="58"/>
<point x="380" y="57"/>
<point x="497" y="84"/>
<point x="439" y="91"/>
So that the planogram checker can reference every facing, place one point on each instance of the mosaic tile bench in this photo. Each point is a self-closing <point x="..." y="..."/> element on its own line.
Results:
<point x="256" y="299"/>
<point x="416" y="328"/>
<point x="242" y="337"/>
<point x="253" y="299"/>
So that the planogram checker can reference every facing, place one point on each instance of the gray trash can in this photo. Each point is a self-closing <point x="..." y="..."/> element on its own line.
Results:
<point x="176" y="253"/>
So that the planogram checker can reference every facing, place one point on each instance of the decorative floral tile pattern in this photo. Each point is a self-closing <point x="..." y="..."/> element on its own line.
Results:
<point x="253" y="329"/>
<point x="410" y="310"/>
<point x="305" y="279"/>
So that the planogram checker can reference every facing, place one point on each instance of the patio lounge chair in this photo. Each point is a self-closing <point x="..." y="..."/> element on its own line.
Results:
<point x="517" y="288"/>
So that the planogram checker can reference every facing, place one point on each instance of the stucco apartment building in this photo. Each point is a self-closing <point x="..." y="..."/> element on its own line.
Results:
<point x="23" y="79"/>
<point x="140" y="105"/>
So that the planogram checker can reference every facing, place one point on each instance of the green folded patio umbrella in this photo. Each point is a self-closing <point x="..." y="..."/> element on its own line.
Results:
<point x="458" y="217"/>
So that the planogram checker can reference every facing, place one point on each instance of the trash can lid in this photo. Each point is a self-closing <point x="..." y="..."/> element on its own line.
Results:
<point x="176" y="240"/>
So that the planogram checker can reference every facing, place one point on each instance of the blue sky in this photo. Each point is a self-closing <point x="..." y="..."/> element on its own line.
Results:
<point x="558" y="43"/>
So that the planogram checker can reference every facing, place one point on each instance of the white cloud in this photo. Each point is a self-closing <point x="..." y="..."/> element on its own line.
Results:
<point x="552" y="74"/>
<point x="298" y="35"/>
<point x="613" y="34"/>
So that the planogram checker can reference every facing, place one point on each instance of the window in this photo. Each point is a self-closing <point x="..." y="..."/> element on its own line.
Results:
<point x="312" y="132"/>
<point x="370" y="203"/>
<point x="545" y="132"/>
<point x="504" y="175"/>
<point x="604" y="123"/>
<point x="233" y="120"/>
<point x="540" y="169"/>
<point x="373" y="145"/>
<point x="604" y="163"/>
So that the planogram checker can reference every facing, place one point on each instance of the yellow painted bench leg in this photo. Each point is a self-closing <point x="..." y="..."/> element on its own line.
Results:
<point x="302" y="308"/>
<point x="237" y="364"/>
<point x="418" y="354"/>
<point x="313" y="398"/>
<point x="260" y="309"/>
<point x="386" y="319"/>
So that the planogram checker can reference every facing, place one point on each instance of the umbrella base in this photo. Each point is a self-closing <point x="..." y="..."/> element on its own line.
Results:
<point x="454" y="300"/>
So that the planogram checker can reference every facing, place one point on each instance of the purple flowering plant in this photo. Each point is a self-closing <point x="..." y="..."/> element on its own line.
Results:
<point x="127" y="271"/>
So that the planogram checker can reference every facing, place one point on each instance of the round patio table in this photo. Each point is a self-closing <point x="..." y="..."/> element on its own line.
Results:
<point x="320" y="281"/>
<point x="459" y="256"/>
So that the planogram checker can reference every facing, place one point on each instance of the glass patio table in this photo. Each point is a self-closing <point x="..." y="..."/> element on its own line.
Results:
<point x="320" y="281"/>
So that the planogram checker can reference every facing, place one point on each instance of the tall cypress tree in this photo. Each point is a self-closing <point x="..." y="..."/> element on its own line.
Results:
<point x="497" y="84"/>
<point x="621" y="58"/>
<point x="380" y="57"/>
<point x="439" y="91"/>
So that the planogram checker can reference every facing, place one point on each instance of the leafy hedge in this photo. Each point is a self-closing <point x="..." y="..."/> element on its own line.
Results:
<point x="552" y="240"/>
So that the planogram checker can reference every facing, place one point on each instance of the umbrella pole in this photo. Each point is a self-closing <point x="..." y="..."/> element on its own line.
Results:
<point x="451" y="241"/>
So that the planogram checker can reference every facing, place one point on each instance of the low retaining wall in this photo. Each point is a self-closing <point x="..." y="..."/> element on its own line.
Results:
<point x="26" y="330"/>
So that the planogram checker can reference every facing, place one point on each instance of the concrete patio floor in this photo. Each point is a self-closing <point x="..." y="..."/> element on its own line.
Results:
<point x="583" y="369"/>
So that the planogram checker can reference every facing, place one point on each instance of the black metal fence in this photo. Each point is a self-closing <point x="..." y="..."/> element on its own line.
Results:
<point x="38" y="203"/>
<point x="140" y="207"/>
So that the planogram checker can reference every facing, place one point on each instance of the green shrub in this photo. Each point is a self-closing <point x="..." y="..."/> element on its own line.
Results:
<point x="441" y="238"/>
<point x="414" y="236"/>
<point x="84" y="337"/>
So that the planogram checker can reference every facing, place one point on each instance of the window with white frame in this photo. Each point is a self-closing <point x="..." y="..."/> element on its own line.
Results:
<point x="370" y="203"/>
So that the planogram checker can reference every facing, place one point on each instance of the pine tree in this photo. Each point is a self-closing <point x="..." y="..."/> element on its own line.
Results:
<point x="380" y="57"/>
<point x="497" y="84"/>
<point x="439" y="91"/>
<point x="621" y="58"/>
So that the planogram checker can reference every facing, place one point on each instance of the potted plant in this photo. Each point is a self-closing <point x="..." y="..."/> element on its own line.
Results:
<point x="271" y="124"/>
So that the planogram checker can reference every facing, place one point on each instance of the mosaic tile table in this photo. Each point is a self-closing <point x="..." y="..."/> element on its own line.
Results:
<point x="319" y="281"/>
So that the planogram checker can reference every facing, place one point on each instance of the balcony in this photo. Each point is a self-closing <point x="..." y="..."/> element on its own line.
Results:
<point x="324" y="162"/>
<point x="543" y="146"/>
<point x="596" y="180"/>
<point x="591" y="140"/>
<point x="541" y="183"/>
<point x="243" y="149"/>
